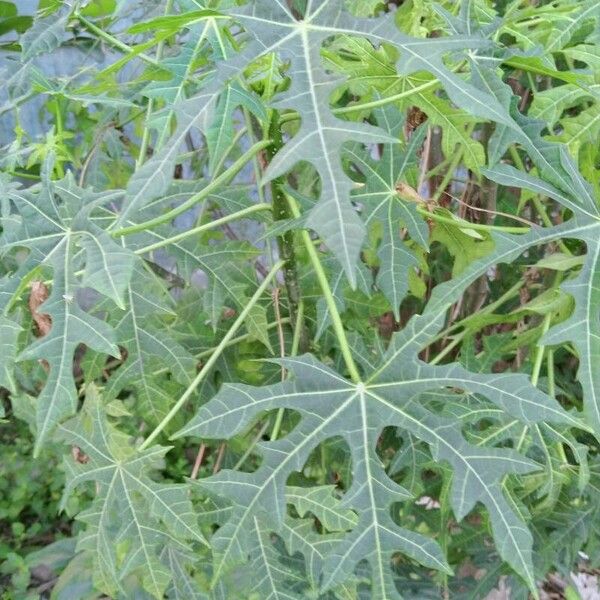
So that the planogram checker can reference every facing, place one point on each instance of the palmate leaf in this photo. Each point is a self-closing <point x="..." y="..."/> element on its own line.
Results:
<point x="173" y="90"/>
<point x="583" y="327"/>
<point x="552" y="161"/>
<point x="586" y="11"/>
<point x="45" y="35"/>
<point x="321" y="502"/>
<point x="153" y="179"/>
<point x="219" y="135"/>
<point x="52" y="223"/>
<point x="581" y="129"/>
<point x="380" y="204"/>
<point x="288" y="566"/>
<point x="464" y="244"/>
<point x="321" y="134"/>
<point x="183" y="586"/>
<point x="330" y="406"/>
<point x="220" y="262"/>
<point x="371" y="70"/>
<point x="132" y="519"/>
<point x="151" y="350"/>
<point x="549" y="105"/>
<point x="558" y="179"/>
<point x="270" y="575"/>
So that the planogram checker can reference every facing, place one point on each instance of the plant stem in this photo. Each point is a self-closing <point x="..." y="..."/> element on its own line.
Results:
<point x="113" y="41"/>
<point x="214" y="357"/>
<point x="451" y="169"/>
<point x="550" y="370"/>
<point x="23" y="175"/>
<point x="222" y="179"/>
<point x="204" y="227"/>
<point x="241" y="338"/>
<point x="338" y="326"/>
<point x="457" y="340"/>
<point x="219" y="459"/>
<point x="198" y="461"/>
<point x="205" y="353"/>
<point x="150" y="107"/>
<point x="389" y="99"/>
<point x="511" y="293"/>
<point x="539" y="355"/>
<point x="234" y="144"/>
<point x="252" y="445"/>
<point x="468" y="225"/>
<point x="294" y="351"/>
<point x="281" y="211"/>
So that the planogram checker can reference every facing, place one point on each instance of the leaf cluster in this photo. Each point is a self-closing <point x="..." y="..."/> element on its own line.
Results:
<point x="306" y="292"/>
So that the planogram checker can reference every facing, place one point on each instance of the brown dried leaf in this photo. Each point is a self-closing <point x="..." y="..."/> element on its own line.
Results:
<point x="38" y="295"/>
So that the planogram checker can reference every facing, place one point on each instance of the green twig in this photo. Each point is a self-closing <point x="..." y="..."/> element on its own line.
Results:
<point x="468" y="225"/>
<point x="113" y="41"/>
<point x="338" y="326"/>
<point x="539" y="354"/>
<point x="550" y="370"/>
<point x="210" y="351"/>
<point x="217" y="182"/>
<point x="252" y="445"/>
<point x="204" y="227"/>
<point x="213" y="358"/>
<point x="539" y="205"/>
<point x="452" y="168"/>
<point x="293" y="352"/>
<point x="388" y="100"/>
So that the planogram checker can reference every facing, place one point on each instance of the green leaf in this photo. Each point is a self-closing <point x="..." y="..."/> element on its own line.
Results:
<point x="581" y="129"/>
<point x="360" y="412"/>
<point x="562" y="34"/>
<point x="9" y="332"/>
<point x="153" y="179"/>
<point x="174" y="22"/>
<point x="549" y="105"/>
<point x="536" y="65"/>
<point x="462" y="245"/>
<point x="560" y="262"/>
<point x="373" y="465"/>
<point x="583" y="327"/>
<point x="551" y="160"/>
<point x="381" y="204"/>
<point x="321" y="134"/>
<point x="321" y="502"/>
<point x="175" y="90"/>
<point x="53" y="223"/>
<point x="133" y="518"/>
<point x="219" y="135"/>
<point x="151" y="351"/>
<point x="44" y="35"/>
<point x="364" y="8"/>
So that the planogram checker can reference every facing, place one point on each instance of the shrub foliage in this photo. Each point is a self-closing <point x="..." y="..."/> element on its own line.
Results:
<point x="308" y="291"/>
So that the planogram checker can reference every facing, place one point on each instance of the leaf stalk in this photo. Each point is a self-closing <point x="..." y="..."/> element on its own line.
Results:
<point x="338" y="326"/>
<point x="214" y="357"/>
<point x="217" y="182"/>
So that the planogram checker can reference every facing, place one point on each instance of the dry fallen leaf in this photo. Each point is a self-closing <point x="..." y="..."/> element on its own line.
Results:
<point x="38" y="295"/>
